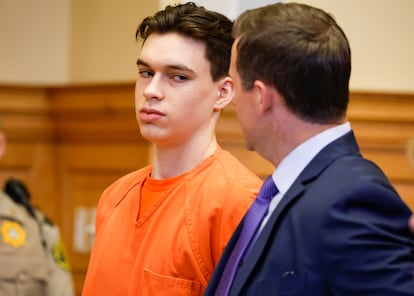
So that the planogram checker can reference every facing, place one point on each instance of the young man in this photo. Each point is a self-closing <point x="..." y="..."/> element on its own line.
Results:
<point x="161" y="230"/>
<point x="335" y="225"/>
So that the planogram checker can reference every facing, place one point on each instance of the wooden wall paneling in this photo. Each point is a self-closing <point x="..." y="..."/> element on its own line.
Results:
<point x="384" y="126"/>
<point x="69" y="143"/>
<point x="30" y="154"/>
<point x="95" y="113"/>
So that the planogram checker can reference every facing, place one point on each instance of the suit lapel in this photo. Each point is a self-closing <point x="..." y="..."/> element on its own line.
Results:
<point x="252" y="258"/>
<point x="342" y="146"/>
<point x="218" y="271"/>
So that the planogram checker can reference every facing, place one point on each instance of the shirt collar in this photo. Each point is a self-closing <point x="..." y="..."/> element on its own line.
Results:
<point x="296" y="161"/>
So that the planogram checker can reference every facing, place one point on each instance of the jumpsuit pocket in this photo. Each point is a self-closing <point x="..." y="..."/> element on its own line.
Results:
<point x="157" y="284"/>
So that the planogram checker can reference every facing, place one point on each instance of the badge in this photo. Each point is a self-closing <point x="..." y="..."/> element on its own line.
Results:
<point x="13" y="234"/>
<point x="60" y="256"/>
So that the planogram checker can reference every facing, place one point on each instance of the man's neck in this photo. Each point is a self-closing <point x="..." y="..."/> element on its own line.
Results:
<point x="170" y="162"/>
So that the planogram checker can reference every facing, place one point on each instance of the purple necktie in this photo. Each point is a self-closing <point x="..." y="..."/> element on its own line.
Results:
<point x="251" y="222"/>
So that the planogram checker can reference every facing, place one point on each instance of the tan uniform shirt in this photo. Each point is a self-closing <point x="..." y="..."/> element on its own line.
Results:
<point x="26" y="266"/>
<point x="60" y="282"/>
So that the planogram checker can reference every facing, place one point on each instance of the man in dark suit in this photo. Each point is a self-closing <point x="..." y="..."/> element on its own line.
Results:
<point x="336" y="226"/>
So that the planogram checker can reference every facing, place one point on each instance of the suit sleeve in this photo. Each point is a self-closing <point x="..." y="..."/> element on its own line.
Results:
<point x="369" y="249"/>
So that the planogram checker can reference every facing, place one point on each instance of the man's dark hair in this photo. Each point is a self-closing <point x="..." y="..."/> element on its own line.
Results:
<point x="302" y="52"/>
<point x="190" y="20"/>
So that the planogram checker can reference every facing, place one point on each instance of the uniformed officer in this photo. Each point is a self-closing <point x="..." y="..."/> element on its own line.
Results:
<point x="32" y="257"/>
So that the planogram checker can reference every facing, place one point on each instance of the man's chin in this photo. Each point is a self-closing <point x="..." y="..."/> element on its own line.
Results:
<point x="249" y="146"/>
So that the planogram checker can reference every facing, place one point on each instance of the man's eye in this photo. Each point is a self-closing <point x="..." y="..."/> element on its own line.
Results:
<point x="145" y="73"/>
<point x="179" y="78"/>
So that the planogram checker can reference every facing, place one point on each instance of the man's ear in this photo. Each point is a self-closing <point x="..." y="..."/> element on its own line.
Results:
<point x="2" y="144"/>
<point x="225" y="93"/>
<point x="265" y="95"/>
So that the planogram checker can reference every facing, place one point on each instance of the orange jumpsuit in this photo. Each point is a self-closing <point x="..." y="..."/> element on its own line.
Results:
<point x="173" y="247"/>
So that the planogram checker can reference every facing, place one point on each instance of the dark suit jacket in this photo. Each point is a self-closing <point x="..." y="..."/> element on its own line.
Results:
<point x="341" y="229"/>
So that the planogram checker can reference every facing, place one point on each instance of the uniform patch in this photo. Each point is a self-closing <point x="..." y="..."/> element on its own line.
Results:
<point x="13" y="234"/>
<point x="60" y="256"/>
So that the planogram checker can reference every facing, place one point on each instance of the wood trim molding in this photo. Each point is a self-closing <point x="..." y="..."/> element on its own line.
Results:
<point x="25" y="113"/>
<point x="70" y="114"/>
<point x="95" y="113"/>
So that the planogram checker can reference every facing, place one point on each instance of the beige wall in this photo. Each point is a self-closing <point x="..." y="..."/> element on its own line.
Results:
<point x="59" y="42"/>
<point x="34" y="41"/>
<point x="381" y="33"/>
<point x="52" y="42"/>
<point x="103" y="46"/>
